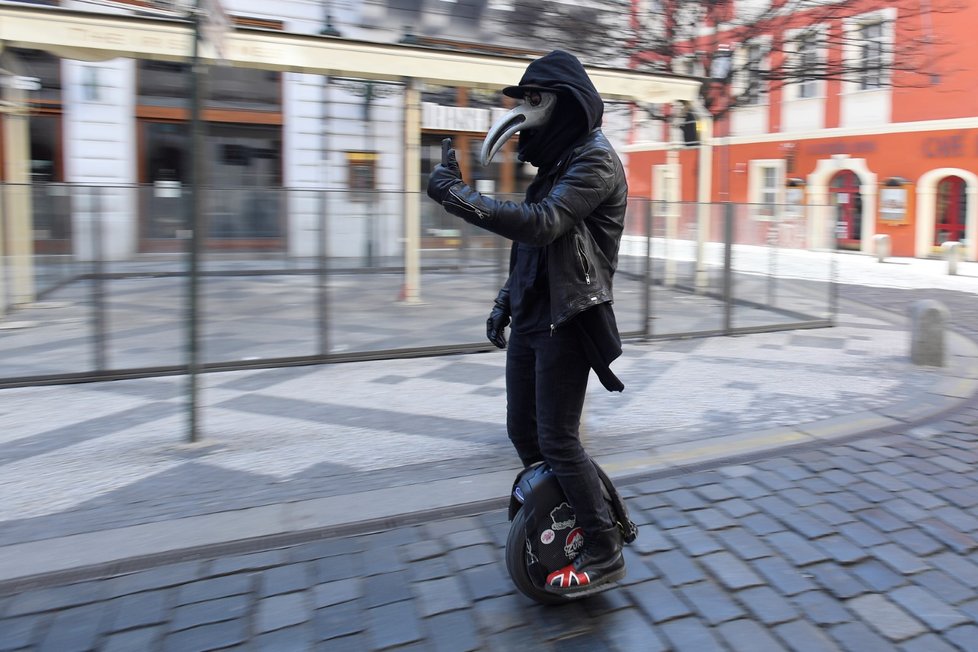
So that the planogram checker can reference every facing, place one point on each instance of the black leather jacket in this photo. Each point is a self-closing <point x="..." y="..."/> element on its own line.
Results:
<point x="576" y="210"/>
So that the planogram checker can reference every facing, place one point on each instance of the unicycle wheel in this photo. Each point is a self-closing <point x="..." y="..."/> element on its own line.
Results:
<point x="517" y="563"/>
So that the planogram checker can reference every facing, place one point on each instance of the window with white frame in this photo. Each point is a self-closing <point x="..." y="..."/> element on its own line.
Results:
<point x="769" y="190"/>
<point x="766" y="190"/>
<point x="871" y="56"/>
<point x="807" y="64"/>
<point x="753" y="74"/>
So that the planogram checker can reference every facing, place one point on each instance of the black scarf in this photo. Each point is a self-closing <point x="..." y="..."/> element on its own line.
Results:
<point x="546" y="146"/>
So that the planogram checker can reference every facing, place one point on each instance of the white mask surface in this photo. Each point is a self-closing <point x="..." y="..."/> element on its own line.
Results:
<point x="533" y="112"/>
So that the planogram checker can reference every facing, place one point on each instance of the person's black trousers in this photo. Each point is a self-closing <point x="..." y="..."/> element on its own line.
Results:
<point x="546" y="381"/>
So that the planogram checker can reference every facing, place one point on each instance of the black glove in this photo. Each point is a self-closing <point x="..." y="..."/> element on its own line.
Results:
<point x="497" y="323"/>
<point x="445" y="175"/>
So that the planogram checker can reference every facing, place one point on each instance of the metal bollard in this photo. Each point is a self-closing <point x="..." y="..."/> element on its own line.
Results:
<point x="953" y="252"/>
<point x="928" y="319"/>
<point x="881" y="243"/>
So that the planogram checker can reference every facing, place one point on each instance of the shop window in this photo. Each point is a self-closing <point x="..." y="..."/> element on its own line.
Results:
<point x="242" y="116"/>
<point x="166" y="84"/>
<point x="243" y="174"/>
<point x="46" y="67"/>
<point x="51" y="207"/>
<point x="45" y="137"/>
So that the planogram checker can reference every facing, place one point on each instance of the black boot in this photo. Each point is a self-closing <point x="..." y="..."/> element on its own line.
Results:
<point x="599" y="563"/>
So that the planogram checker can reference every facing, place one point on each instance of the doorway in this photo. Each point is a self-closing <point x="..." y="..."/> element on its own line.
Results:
<point x="951" y="211"/>
<point x="848" y="202"/>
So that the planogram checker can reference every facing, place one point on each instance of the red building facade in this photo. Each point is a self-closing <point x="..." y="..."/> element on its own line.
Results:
<point x="884" y="152"/>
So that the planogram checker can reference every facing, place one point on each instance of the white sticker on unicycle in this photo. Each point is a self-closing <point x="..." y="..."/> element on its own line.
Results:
<point x="547" y="537"/>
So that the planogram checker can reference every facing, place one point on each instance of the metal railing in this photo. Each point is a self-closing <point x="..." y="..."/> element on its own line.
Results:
<point x="293" y="276"/>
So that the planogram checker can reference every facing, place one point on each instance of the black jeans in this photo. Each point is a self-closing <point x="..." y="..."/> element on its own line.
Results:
<point x="546" y="380"/>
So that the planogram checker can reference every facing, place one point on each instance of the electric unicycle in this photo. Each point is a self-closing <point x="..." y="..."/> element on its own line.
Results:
<point x="543" y="536"/>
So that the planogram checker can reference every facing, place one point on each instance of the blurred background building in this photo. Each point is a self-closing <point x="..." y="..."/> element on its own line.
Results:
<point x="125" y="123"/>
<point x="865" y="109"/>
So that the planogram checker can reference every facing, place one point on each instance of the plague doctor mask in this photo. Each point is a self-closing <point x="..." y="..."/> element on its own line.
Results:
<point x="533" y="113"/>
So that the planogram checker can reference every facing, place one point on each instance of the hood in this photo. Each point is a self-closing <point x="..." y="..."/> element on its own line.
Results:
<point x="579" y="110"/>
<point x="562" y="71"/>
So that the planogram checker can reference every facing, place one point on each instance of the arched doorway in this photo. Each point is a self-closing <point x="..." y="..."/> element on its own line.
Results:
<point x="951" y="211"/>
<point x="848" y="202"/>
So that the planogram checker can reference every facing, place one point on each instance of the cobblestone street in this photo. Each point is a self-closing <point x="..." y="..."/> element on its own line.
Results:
<point x="868" y="545"/>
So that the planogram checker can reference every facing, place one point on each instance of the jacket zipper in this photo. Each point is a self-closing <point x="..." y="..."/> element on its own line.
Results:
<point x="584" y="262"/>
<point x="472" y="207"/>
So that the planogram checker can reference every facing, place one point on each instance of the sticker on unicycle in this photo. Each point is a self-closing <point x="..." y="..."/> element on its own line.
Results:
<point x="547" y="537"/>
<point x="562" y="516"/>
<point x="574" y="543"/>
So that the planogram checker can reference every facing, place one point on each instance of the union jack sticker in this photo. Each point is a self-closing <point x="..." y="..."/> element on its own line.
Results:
<point x="567" y="577"/>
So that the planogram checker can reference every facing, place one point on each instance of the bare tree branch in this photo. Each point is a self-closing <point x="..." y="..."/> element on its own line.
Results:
<point x="767" y="46"/>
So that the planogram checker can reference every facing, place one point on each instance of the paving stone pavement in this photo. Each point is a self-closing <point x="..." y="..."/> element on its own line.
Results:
<point x="863" y="544"/>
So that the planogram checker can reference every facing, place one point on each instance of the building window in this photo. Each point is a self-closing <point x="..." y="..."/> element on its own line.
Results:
<point x="766" y="188"/>
<point x="769" y="190"/>
<point x="166" y="84"/>
<point x="753" y="75"/>
<point x="871" y="74"/>
<point x="808" y="65"/>
<point x="46" y="68"/>
<point x="362" y="171"/>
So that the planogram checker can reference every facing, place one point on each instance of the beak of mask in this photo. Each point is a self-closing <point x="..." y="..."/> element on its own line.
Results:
<point x="533" y="113"/>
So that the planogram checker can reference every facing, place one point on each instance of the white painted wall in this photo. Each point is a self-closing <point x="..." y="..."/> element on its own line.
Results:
<point x="803" y="114"/>
<point x="100" y="149"/>
<point x="749" y="120"/>
<point x="865" y="108"/>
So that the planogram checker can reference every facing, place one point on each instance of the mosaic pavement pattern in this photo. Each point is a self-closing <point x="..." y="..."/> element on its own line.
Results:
<point x="86" y="457"/>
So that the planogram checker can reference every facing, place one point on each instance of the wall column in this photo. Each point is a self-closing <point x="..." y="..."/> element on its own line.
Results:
<point x="704" y="191"/>
<point x="411" y="291"/>
<point x="16" y="214"/>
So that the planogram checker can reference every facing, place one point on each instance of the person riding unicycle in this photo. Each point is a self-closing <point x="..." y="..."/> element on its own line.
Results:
<point x="558" y="298"/>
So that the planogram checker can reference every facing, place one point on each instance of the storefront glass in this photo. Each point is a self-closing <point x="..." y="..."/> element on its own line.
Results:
<point x="166" y="84"/>
<point x="243" y="176"/>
